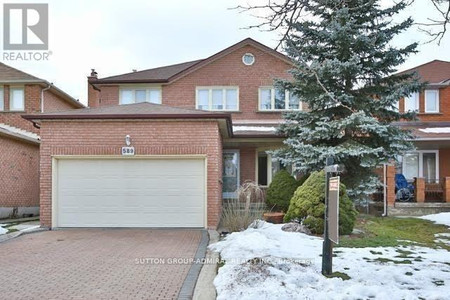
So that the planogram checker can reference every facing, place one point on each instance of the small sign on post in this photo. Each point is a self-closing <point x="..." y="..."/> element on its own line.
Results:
<point x="333" y="210"/>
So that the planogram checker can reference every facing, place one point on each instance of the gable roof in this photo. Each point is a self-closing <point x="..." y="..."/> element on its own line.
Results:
<point x="173" y="72"/>
<point x="435" y="71"/>
<point x="10" y="75"/>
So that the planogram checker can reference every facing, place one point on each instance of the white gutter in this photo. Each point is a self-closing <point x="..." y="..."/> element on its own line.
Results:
<point x="384" y="191"/>
<point x="42" y="96"/>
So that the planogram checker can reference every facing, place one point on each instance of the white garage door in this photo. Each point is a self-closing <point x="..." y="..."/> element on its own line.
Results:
<point x="130" y="193"/>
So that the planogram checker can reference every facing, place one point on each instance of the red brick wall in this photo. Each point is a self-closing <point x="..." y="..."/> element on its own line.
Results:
<point x="149" y="138"/>
<point x="19" y="173"/>
<point x="52" y="102"/>
<point x="444" y="163"/>
<point x="247" y="161"/>
<point x="226" y="71"/>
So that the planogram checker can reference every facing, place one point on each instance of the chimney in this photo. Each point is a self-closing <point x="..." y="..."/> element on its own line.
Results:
<point x="93" y="91"/>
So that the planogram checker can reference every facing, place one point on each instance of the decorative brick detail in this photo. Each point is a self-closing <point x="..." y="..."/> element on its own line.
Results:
<point x="148" y="137"/>
<point x="419" y="189"/>
<point x="19" y="173"/>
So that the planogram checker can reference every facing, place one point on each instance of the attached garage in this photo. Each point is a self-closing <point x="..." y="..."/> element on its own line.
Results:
<point x="135" y="165"/>
<point x="131" y="192"/>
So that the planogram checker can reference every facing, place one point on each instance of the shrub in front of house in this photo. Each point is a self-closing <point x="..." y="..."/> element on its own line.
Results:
<point x="308" y="204"/>
<point x="280" y="191"/>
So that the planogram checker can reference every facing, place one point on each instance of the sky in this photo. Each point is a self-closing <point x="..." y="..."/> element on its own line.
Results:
<point x="115" y="37"/>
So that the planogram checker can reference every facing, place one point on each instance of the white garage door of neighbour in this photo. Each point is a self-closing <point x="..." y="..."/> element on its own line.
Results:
<point x="130" y="193"/>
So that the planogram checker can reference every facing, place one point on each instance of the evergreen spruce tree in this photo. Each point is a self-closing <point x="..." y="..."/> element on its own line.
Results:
<point x="344" y="61"/>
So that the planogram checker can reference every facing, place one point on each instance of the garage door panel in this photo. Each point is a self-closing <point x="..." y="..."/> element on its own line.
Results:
<point x="131" y="193"/>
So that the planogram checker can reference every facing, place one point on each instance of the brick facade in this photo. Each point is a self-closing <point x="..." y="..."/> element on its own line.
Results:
<point x="149" y="138"/>
<point x="226" y="71"/>
<point x="444" y="108"/>
<point x="19" y="173"/>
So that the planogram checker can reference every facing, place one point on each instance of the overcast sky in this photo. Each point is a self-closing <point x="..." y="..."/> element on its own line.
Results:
<point x="115" y="37"/>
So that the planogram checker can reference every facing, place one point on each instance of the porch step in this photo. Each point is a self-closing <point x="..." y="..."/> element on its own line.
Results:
<point x="418" y="209"/>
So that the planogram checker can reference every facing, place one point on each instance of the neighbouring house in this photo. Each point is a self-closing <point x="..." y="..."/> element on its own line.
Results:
<point x="19" y="140"/>
<point x="199" y="129"/>
<point x="165" y="147"/>
<point x="428" y="167"/>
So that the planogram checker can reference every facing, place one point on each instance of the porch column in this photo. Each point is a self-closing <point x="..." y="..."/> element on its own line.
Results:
<point x="390" y="181"/>
<point x="447" y="189"/>
<point x="419" y="186"/>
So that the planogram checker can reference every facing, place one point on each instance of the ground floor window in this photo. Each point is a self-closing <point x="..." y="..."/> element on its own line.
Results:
<point x="230" y="175"/>
<point x="420" y="164"/>
<point x="267" y="168"/>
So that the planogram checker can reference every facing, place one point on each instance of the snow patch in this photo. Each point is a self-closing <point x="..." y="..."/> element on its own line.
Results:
<point x="19" y="131"/>
<point x="266" y="263"/>
<point x="254" y="128"/>
<point x="3" y="230"/>
<point x="436" y="130"/>
<point x="440" y="218"/>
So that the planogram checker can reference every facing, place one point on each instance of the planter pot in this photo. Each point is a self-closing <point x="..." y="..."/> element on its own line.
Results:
<point x="274" y="217"/>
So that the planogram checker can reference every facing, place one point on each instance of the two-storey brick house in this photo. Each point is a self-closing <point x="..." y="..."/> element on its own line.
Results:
<point x="163" y="147"/>
<point x="19" y="140"/>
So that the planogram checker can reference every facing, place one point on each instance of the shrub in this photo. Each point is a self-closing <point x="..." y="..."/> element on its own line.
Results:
<point x="239" y="213"/>
<point x="280" y="190"/>
<point x="308" y="204"/>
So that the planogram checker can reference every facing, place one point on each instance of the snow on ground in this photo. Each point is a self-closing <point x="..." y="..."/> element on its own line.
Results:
<point x="268" y="263"/>
<point x="436" y="130"/>
<point x="3" y="230"/>
<point x="440" y="218"/>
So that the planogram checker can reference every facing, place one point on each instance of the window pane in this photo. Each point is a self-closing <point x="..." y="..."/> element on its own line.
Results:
<point x="280" y="99"/>
<point x="262" y="168"/>
<point x="294" y="101"/>
<point x="155" y="96"/>
<point x="140" y="96"/>
<point x="411" y="162"/>
<point x="265" y="100"/>
<point x="411" y="102"/>
<point x="431" y="101"/>
<point x="126" y="97"/>
<point x="429" y="166"/>
<point x="231" y="96"/>
<point x="2" y="102"/>
<point x="203" y="99"/>
<point x="17" y="100"/>
<point x="217" y="99"/>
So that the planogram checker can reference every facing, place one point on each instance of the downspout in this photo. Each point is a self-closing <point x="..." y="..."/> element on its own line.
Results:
<point x="42" y="96"/>
<point x="384" y="191"/>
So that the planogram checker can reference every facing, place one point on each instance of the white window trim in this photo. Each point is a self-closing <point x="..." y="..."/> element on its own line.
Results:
<point x="137" y="87"/>
<point x="272" y="100"/>
<point x="416" y="95"/>
<point x="421" y="152"/>
<point x="224" y="97"/>
<point x="11" y="89"/>
<point x="2" y="98"/>
<point x="437" y="101"/>
<point x="269" y="164"/>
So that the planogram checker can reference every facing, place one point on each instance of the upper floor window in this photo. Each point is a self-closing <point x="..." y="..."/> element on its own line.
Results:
<point x="431" y="101"/>
<point x="138" y="95"/>
<point x="412" y="102"/>
<point x="2" y="101"/>
<point x="16" y="99"/>
<point x="276" y="99"/>
<point x="217" y="98"/>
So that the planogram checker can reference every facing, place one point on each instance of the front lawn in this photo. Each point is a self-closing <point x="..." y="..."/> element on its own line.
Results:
<point x="391" y="259"/>
<point x="392" y="232"/>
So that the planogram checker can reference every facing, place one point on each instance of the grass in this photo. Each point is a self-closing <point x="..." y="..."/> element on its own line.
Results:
<point x="341" y="275"/>
<point x="392" y="232"/>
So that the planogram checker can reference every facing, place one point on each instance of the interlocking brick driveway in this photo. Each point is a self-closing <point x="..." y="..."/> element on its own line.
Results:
<point x="96" y="264"/>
